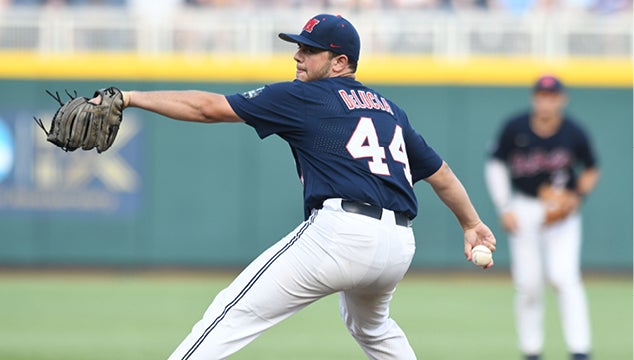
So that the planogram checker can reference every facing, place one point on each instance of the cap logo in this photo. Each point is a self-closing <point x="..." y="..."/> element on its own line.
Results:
<point x="548" y="81"/>
<point x="310" y="24"/>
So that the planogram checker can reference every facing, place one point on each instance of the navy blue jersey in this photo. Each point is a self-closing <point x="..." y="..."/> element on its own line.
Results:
<point x="534" y="161"/>
<point x="348" y="141"/>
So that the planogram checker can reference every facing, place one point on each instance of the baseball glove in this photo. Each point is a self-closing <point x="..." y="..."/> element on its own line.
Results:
<point x="558" y="203"/>
<point x="80" y="123"/>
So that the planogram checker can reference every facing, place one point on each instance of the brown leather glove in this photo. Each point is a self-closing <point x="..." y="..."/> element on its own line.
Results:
<point x="80" y="123"/>
<point x="558" y="203"/>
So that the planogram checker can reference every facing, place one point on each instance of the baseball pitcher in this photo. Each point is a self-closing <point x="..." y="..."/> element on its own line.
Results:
<point x="358" y="158"/>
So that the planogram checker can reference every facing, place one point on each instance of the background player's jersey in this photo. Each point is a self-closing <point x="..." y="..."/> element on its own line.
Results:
<point x="348" y="141"/>
<point x="534" y="161"/>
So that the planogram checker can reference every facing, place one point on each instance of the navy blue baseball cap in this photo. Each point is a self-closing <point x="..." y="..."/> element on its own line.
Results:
<point x="548" y="83"/>
<point x="328" y="32"/>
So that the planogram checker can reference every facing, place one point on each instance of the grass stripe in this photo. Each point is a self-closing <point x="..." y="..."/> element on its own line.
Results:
<point x="144" y="316"/>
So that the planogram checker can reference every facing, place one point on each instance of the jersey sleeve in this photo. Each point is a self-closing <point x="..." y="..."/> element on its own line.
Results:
<point x="503" y="143"/>
<point x="271" y="109"/>
<point x="424" y="161"/>
<point x="583" y="149"/>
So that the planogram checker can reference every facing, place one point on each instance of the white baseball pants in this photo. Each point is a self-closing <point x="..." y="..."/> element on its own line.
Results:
<point x="359" y="257"/>
<point x="552" y="253"/>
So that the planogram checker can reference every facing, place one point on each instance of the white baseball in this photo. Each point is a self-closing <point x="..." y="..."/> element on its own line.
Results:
<point x="481" y="255"/>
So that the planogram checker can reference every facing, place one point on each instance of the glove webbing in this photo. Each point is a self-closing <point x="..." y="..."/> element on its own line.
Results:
<point x="57" y="97"/>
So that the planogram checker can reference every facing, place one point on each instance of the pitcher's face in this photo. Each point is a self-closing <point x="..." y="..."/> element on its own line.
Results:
<point x="312" y="63"/>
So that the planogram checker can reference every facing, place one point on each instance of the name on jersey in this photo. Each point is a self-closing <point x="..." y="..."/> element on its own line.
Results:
<point x="359" y="99"/>
<point x="538" y="161"/>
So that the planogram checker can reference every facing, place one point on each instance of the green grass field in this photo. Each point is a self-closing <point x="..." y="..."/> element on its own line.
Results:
<point x="72" y="316"/>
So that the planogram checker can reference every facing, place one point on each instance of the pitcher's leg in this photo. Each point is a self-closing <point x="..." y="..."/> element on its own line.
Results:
<point x="256" y="300"/>
<point x="365" y="307"/>
<point x="367" y="319"/>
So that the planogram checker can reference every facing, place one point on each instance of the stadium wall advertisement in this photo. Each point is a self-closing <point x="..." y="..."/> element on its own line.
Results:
<point x="181" y="194"/>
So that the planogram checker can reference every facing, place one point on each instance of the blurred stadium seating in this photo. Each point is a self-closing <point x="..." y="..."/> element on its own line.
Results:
<point x="144" y="27"/>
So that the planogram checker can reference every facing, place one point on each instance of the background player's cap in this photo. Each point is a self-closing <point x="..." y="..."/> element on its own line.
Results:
<point x="328" y="32"/>
<point x="548" y="83"/>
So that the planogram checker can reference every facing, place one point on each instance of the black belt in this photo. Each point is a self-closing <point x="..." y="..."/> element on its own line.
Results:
<point x="373" y="211"/>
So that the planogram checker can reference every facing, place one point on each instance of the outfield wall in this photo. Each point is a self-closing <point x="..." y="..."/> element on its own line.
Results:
<point x="183" y="194"/>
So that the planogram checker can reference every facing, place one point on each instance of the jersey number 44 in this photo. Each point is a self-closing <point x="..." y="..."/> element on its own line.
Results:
<point x="364" y="143"/>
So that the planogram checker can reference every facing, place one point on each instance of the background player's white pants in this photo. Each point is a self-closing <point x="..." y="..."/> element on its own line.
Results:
<point x="552" y="253"/>
<point x="334" y="251"/>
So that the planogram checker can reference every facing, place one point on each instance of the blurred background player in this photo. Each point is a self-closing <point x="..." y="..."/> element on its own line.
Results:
<point x="538" y="151"/>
